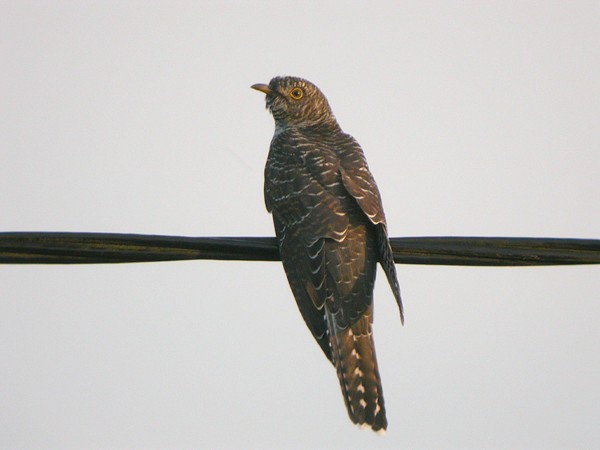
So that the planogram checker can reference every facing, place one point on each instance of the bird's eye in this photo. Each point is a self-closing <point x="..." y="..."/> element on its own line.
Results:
<point x="296" y="93"/>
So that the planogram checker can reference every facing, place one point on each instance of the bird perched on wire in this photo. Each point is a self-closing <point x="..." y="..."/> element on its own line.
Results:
<point x="331" y="232"/>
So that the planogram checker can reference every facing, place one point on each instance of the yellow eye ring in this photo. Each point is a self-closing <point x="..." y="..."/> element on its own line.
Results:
<point x="296" y="93"/>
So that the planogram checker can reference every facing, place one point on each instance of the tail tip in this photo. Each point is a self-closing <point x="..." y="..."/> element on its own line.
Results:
<point x="366" y="426"/>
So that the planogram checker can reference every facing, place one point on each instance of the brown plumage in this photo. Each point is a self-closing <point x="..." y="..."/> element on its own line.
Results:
<point x="331" y="230"/>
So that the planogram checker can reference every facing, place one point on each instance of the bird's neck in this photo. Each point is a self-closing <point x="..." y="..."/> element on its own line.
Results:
<point x="322" y="125"/>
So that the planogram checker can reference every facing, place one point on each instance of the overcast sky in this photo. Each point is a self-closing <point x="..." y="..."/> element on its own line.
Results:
<point x="477" y="119"/>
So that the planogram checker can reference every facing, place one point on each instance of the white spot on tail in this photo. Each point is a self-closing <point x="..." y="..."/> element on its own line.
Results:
<point x="381" y="432"/>
<point x="363" y="403"/>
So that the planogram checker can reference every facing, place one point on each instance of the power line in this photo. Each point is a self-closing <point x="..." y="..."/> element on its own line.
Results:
<point x="109" y="248"/>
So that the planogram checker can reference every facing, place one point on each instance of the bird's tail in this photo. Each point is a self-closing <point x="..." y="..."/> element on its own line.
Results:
<point x="354" y="358"/>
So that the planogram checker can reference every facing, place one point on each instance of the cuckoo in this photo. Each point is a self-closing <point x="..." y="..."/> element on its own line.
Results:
<point x="331" y="233"/>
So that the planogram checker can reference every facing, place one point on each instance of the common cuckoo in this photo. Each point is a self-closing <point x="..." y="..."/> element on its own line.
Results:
<point x="331" y="233"/>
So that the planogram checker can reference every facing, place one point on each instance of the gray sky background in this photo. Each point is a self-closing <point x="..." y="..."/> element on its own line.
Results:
<point x="477" y="118"/>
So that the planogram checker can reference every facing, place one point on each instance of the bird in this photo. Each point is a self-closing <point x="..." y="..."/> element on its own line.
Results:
<point x="331" y="233"/>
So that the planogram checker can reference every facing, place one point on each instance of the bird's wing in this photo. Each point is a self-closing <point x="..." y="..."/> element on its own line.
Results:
<point x="359" y="182"/>
<point x="305" y="213"/>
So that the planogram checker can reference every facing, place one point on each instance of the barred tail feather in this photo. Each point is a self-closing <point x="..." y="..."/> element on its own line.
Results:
<point x="354" y="357"/>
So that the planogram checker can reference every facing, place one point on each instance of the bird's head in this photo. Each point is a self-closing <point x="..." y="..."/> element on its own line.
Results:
<point x="294" y="101"/>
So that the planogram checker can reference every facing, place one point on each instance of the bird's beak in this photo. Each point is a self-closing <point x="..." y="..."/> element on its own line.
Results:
<point x="262" y="88"/>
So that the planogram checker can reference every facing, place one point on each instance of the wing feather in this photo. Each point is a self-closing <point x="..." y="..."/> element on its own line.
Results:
<point x="360" y="183"/>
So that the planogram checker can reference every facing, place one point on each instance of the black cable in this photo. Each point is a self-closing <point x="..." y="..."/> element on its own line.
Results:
<point x="108" y="248"/>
